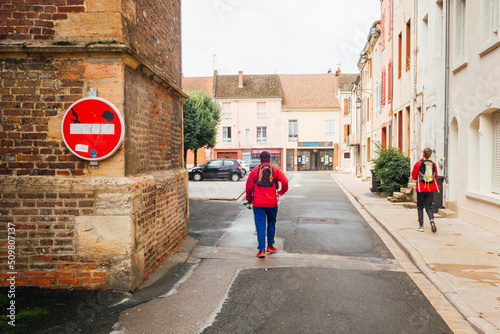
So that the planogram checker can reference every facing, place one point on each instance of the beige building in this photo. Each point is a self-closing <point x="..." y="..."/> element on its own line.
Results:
<point x="311" y="116"/>
<point x="474" y="113"/>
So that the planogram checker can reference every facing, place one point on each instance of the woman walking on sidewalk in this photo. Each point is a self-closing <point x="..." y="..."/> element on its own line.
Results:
<point x="425" y="172"/>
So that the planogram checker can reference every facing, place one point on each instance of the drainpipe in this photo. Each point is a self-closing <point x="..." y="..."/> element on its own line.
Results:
<point x="446" y="92"/>
<point x="389" y="144"/>
<point x="415" y="73"/>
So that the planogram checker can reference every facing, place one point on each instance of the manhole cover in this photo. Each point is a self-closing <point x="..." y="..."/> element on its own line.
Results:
<point x="303" y="220"/>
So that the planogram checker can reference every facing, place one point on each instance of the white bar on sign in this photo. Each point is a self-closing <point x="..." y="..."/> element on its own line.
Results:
<point x="81" y="148"/>
<point x="91" y="129"/>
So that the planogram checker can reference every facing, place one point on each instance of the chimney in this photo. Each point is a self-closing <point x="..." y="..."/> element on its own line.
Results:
<point x="240" y="79"/>
<point x="340" y="75"/>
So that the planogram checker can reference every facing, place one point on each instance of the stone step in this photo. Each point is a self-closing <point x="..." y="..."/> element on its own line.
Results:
<point x="394" y="199"/>
<point x="447" y="213"/>
<point x="399" y="195"/>
<point x="406" y="191"/>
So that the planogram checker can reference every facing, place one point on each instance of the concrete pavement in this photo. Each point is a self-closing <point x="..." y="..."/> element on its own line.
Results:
<point x="460" y="259"/>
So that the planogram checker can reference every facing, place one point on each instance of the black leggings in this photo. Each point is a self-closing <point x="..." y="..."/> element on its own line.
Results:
<point x="425" y="199"/>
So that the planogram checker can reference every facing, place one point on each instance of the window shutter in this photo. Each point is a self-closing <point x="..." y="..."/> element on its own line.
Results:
<point x="495" y="182"/>
<point x="346" y="107"/>
<point x="383" y="87"/>
<point x="389" y="82"/>
<point x="487" y="21"/>
<point x="459" y="29"/>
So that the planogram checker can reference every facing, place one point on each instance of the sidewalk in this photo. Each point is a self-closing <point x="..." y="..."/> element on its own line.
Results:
<point x="460" y="259"/>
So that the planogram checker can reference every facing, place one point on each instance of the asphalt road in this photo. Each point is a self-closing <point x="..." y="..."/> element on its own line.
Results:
<point x="332" y="274"/>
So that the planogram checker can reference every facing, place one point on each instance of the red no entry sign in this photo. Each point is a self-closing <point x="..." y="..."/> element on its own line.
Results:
<point x="92" y="128"/>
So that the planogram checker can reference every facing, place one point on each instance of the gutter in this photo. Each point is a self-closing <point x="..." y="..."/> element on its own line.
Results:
<point x="446" y="92"/>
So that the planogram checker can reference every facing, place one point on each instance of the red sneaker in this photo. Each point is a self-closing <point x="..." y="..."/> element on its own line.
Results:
<point x="261" y="254"/>
<point x="272" y="249"/>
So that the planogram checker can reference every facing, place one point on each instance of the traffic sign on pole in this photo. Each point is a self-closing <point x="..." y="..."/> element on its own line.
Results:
<point x="93" y="128"/>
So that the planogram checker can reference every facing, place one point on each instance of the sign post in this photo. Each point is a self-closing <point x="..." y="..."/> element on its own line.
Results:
<point x="92" y="128"/>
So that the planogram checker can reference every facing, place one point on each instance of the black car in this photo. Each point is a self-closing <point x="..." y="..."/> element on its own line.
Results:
<point x="217" y="169"/>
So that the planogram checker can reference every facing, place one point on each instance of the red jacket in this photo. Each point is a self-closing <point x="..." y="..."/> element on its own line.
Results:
<point x="265" y="196"/>
<point x="423" y="187"/>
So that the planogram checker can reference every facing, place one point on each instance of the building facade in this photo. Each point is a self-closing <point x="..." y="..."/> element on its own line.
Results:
<point x="439" y="91"/>
<point x="311" y="114"/>
<point x="106" y="225"/>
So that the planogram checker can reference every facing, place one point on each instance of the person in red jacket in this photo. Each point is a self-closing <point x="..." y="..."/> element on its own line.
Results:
<point x="261" y="191"/>
<point x="425" y="172"/>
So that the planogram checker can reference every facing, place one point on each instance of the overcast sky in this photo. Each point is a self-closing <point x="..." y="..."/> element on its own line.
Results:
<point x="274" y="36"/>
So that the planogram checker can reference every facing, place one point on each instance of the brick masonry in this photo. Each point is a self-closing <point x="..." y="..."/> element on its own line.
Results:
<point x="76" y="226"/>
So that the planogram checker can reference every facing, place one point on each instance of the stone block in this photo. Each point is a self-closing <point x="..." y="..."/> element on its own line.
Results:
<point x="83" y="26"/>
<point x="104" y="237"/>
<point x="399" y="195"/>
<point x="447" y="213"/>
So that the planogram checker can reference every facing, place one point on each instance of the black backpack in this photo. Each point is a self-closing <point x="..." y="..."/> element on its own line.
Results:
<point x="427" y="171"/>
<point x="265" y="176"/>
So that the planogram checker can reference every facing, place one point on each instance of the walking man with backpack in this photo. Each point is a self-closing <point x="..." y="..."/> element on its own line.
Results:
<point x="425" y="172"/>
<point x="262" y="191"/>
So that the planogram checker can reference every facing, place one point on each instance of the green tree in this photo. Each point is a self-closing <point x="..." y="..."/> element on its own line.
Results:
<point x="391" y="168"/>
<point x="201" y="117"/>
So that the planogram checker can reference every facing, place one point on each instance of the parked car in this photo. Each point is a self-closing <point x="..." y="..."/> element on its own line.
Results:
<point x="245" y="168"/>
<point x="217" y="169"/>
<point x="254" y="163"/>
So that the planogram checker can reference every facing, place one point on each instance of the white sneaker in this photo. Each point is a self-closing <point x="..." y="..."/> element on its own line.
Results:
<point x="420" y="229"/>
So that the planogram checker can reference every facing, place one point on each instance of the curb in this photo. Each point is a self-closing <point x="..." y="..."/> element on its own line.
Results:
<point x="468" y="313"/>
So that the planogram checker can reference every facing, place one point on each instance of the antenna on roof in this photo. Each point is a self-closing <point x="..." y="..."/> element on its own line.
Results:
<point x="214" y="58"/>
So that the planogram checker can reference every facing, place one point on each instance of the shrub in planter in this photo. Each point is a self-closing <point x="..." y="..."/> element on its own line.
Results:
<point x="391" y="168"/>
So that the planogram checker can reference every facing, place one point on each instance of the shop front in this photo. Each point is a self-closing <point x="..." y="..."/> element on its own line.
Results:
<point x="275" y="155"/>
<point x="311" y="156"/>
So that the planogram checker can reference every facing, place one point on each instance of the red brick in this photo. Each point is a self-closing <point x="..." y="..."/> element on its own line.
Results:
<point x="68" y="281"/>
<point x="41" y="281"/>
<point x="69" y="266"/>
<point x="57" y="274"/>
<point x="35" y="274"/>
<point x="86" y="275"/>
<point x="89" y="266"/>
<point x="99" y="274"/>
<point x="93" y="281"/>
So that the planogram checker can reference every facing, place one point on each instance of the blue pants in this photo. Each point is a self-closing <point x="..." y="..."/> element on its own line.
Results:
<point x="261" y="214"/>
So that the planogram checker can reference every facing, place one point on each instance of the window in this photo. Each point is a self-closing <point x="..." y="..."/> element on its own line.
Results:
<point x="215" y="163"/>
<point x="389" y="82"/>
<point x="408" y="46"/>
<point x="347" y="155"/>
<point x="382" y="32"/>
<point x="400" y="54"/>
<point x="438" y="30"/>
<point x="346" y="107"/>
<point x="349" y="105"/>
<point x="484" y="155"/>
<point x="329" y="127"/>
<point x="262" y="134"/>
<point x="226" y="135"/>
<point x="495" y="187"/>
<point x="292" y="130"/>
<point x="247" y="133"/>
<point x="226" y="110"/>
<point x="383" y="88"/>
<point x="460" y="26"/>
<point x="422" y="61"/>
<point x="347" y="129"/>
<point x="228" y="163"/>
<point x="489" y="13"/>
<point x="261" y="109"/>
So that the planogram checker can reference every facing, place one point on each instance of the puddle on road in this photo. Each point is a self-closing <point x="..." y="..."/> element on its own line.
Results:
<point x="469" y="271"/>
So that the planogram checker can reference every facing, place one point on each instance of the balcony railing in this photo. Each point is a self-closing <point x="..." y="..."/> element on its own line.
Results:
<point x="353" y="140"/>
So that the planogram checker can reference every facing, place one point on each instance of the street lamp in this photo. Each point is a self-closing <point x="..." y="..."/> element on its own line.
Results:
<point x="358" y="103"/>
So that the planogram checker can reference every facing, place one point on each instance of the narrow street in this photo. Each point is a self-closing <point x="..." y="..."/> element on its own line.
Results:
<point x="332" y="274"/>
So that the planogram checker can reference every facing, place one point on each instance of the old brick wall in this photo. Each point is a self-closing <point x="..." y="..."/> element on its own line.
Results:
<point x="76" y="226"/>
<point x="34" y="90"/>
<point x="154" y="124"/>
<point x="153" y="30"/>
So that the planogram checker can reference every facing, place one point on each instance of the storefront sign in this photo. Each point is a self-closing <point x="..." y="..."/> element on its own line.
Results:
<point x="315" y="144"/>
<point x="270" y="151"/>
<point x="92" y="128"/>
